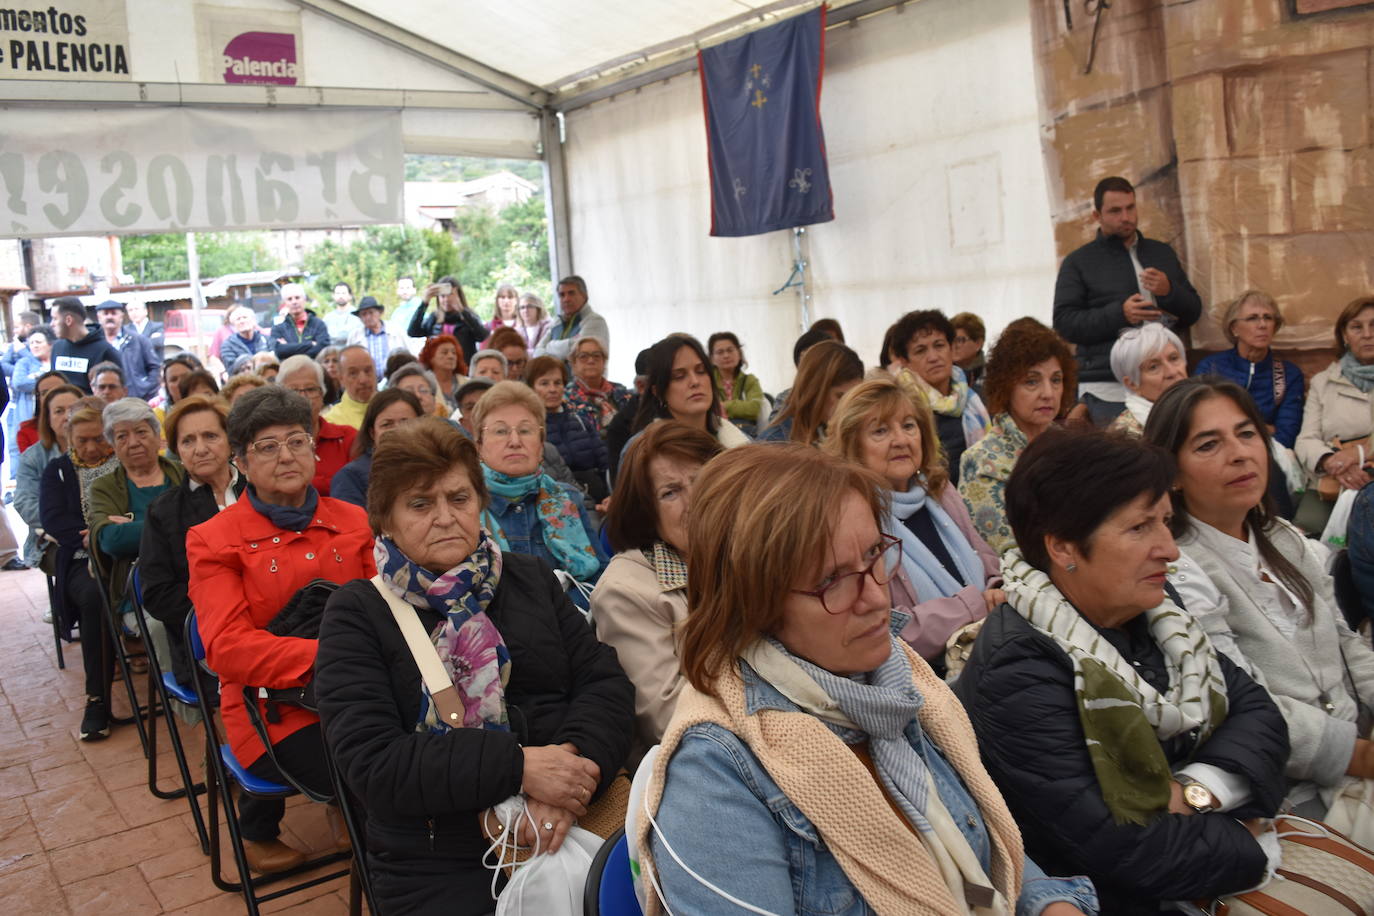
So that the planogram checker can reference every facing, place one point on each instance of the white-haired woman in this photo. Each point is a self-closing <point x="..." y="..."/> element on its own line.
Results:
<point x="119" y="503"/>
<point x="590" y="393"/>
<point x="1147" y="360"/>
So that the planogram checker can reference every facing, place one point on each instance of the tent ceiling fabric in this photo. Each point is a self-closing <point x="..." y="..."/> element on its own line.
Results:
<point x="541" y="42"/>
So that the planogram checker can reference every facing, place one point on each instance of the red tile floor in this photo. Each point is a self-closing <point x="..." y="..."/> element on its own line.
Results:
<point x="79" y="830"/>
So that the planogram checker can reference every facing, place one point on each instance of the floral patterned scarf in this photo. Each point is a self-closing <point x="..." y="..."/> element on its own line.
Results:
<point x="560" y="523"/>
<point x="471" y="648"/>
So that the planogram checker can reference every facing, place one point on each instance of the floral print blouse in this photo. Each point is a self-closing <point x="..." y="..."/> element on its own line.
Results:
<point x="983" y="474"/>
<point x="597" y="406"/>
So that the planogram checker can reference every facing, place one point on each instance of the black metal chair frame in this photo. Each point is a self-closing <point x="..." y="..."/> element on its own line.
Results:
<point x="160" y="701"/>
<point x="218" y="785"/>
<point x="359" y="882"/>
<point x="51" y="546"/>
<point x="114" y="642"/>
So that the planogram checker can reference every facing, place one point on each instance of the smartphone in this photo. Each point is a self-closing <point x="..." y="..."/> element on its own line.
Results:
<point x="445" y="289"/>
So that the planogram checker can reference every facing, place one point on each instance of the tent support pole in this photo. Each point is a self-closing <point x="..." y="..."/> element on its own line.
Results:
<point x="556" y="198"/>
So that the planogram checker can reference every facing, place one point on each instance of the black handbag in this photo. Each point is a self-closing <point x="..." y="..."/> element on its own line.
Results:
<point x="301" y="619"/>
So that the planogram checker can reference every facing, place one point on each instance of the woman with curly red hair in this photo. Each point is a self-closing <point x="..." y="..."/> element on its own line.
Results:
<point x="443" y="355"/>
<point x="1030" y="381"/>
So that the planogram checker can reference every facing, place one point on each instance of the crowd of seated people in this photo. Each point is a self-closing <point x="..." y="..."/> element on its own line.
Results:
<point x="865" y="640"/>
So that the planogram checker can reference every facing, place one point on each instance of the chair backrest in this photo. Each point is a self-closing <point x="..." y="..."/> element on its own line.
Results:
<point x="606" y="542"/>
<point x="610" y="887"/>
<point x="193" y="638"/>
<point x="135" y="585"/>
<point x="1347" y="594"/>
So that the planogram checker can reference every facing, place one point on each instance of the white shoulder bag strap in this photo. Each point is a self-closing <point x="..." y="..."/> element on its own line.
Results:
<point x="432" y="670"/>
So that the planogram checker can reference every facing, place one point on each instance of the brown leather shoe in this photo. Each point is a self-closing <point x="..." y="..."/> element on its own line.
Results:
<point x="271" y="856"/>
<point x="338" y="828"/>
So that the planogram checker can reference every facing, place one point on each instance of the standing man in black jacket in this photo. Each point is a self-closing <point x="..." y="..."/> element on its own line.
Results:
<point x="300" y="330"/>
<point x="76" y="351"/>
<point x="1117" y="280"/>
<point x="142" y="368"/>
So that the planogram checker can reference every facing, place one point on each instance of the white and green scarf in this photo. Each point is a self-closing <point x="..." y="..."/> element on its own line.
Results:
<point x="1124" y="718"/>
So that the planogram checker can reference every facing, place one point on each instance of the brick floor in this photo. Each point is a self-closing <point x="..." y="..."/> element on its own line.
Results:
<point x="79" y="830"/>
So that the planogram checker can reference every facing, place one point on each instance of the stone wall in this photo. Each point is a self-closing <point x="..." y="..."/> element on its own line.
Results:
<point x="1248" y="129"/>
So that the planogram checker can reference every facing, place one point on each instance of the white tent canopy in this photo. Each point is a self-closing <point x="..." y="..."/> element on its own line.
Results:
<point x="929" y="107"/>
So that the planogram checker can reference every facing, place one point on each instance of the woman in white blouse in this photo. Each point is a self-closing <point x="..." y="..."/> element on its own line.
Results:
<point x="1260" y="588"/>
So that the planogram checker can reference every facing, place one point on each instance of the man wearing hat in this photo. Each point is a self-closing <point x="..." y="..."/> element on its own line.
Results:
<point x="142" y="368"/>
<point x="76" y="350"/>
<point x="373" y="335"/>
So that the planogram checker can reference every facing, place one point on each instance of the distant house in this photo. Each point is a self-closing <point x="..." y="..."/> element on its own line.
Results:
<point x="432" y="204"/>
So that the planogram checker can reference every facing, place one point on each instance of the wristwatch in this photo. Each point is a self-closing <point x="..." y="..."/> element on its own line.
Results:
<point x="1196" y="795"/>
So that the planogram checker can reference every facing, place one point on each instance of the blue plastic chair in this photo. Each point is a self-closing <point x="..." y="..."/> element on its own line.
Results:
<point x="163" y="687"/>
<point x="610" y="889"/>
<point x="223" y="769"/>
<point x="605" y="541"/>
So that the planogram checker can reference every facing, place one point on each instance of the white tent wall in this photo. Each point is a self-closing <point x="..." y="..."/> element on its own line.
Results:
<point x="932" y="131"/>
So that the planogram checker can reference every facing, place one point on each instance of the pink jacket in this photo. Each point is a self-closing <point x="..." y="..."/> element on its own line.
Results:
<point x="934" y="621"/>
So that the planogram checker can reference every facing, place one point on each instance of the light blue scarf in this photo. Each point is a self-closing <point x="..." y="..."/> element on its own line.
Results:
<point x="927" y="574"/>
<point x="1359" y="375"/>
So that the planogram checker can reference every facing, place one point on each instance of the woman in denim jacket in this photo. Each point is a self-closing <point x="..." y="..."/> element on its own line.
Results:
<point x="815" y="764"/>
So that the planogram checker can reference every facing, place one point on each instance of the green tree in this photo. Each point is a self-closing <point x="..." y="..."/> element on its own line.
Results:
<point x="162" y="257"/>
<point x="511" y="246"/>
<point x="371" y="265"/>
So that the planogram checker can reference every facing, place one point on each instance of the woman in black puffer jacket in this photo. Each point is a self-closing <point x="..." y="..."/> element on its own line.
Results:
<point x="547" y="710"/>
<point x="1161" y="793"/>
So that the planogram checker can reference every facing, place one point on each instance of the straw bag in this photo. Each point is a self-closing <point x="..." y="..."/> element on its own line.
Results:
<point x="1322" y="872"/>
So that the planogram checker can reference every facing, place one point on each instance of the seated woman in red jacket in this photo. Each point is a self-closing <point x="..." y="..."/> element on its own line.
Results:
<point x="246" y="563"/>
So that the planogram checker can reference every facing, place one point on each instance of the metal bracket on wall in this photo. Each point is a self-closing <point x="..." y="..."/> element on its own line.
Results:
<point x="799" y="279"/>
<point x="1095" y="8"/>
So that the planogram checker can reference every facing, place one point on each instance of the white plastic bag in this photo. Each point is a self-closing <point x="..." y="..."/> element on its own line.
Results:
<point x="1333" y="535"/>
<point x="546" y="884"/>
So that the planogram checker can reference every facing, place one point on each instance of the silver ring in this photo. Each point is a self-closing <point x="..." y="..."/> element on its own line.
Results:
<point x="548" y="825"/>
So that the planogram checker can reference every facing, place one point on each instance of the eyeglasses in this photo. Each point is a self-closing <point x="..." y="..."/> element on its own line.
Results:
<point x="838" y="593"/>
<point x="1258" y="319"/>
<point x="503" y="431"/>
<point x="313" y="391"/>
<point x="299" y="444"/>
<point x="587" y="356"/>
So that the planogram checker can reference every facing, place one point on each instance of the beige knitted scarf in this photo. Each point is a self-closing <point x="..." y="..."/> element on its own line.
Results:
<point x="879" y="853"/>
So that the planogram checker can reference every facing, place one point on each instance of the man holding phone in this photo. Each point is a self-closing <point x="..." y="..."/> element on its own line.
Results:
<point x="1118" y="280"/>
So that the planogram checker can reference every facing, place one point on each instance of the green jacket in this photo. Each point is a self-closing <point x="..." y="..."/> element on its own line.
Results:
<point x="110" y="496"/>
<point x="748" y="401"/>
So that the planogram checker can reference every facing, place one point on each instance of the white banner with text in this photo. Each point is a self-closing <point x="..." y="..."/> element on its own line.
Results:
<point x="98" y="172"/>
<point x="65" y="40"/>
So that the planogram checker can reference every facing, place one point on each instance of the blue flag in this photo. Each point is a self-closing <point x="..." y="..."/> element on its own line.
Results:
<point x="762" y="95"/>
